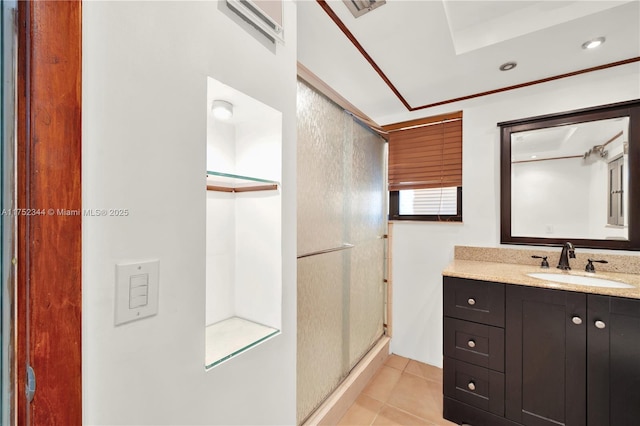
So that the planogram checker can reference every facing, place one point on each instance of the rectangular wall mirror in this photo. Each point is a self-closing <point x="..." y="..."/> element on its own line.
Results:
<point x="573" y="176"/>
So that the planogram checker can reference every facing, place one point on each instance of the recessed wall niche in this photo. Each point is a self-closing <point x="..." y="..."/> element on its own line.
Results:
<point x="243" y="251"/>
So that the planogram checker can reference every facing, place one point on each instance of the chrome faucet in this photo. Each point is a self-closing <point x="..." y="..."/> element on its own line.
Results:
<point x="567" y="252"/>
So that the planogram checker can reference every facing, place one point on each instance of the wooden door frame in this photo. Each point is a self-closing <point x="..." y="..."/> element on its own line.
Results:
<point x="49" y="285"/>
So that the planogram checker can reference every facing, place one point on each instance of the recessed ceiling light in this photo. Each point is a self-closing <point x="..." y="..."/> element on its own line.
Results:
<point x="222" y="110"/>
<point x="592" y="44"/>
<point x="508" y="66"/>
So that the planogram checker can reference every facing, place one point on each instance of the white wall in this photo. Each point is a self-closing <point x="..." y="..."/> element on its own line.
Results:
<point x="539" y="186"/>
<point x="579" y="185"/>
<point x="220" y="238"/>
<point x="422" y="250"/>
<point x="145" y="68"/>
<point x="258" y="221"/>
<point x="220" y="259"/>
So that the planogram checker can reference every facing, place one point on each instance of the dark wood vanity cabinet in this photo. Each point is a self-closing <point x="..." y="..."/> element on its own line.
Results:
<point x="474" y="342"/>
<point x="613" y="361"/>
<point x="568" y="358"/>
<point x="545" y="356"/>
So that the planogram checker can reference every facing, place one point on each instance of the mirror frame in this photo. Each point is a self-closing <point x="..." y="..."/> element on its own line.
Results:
<point x="620" y="109"/>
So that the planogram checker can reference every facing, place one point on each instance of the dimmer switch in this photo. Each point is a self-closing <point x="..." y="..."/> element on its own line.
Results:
<point x="136" y="290"/>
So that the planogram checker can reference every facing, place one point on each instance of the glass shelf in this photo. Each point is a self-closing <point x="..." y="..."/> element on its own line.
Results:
<point x="226" y="182"/>
<point x="231" y="337"/>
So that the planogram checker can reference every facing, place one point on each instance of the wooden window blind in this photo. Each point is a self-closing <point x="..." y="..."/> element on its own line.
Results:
<point x="427" y="156"/>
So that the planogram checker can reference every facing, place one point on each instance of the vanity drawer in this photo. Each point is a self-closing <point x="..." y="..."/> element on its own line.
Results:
<point x="477" y="301"/>
<point x="474" y="343"/>
<point x="473" y="385"/>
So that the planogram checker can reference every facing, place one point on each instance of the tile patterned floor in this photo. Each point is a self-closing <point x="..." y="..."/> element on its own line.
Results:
<point x="402" y="392"/>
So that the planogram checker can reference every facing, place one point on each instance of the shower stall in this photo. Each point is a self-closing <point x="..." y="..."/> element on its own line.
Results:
<point x="341" y="245"/>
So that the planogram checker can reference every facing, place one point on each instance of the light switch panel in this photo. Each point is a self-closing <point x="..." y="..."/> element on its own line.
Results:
<point x="136" y="290"/>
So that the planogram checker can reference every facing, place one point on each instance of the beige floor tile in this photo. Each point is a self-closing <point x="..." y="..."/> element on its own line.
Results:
<point x="444" y="422"/>
<point x="362" y="412"/>
<point x="420" y="397"/>
<point x="382" y="383"/>
<point x="392" y="416"/>
<point x="396" y="361"/>
<point x="397" y="397"/>
<point x="425" y="371"/>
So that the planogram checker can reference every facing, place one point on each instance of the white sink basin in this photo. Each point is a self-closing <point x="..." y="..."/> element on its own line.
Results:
<point x="579" y="280"/>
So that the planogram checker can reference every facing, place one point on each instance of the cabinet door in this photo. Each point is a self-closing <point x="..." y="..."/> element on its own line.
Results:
<point x="613" y="361"/>
<point x="545" y="356"/>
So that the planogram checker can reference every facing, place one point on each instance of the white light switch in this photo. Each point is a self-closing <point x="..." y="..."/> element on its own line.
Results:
<point x="136" y="290"/>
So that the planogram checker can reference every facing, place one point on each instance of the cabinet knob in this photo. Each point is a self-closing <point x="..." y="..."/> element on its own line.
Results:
<point x="600" y="325"/>
<point x="471" y="343"/>
<point x="576" y="320"/>
<point x="471" y="386"/>
<point x="471" y="301"/>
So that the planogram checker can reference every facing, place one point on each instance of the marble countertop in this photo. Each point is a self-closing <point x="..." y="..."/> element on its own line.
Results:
<point x="511" y="273"/>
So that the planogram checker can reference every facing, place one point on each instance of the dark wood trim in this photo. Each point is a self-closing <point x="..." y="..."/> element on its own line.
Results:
<point x="547" y="159"/>
<point x="422" y="121"/>
<point x="634" y="176"/>
<point x="505" y="185"/>
<point x="272" y="187"/>
<point x="341" y="25"/>
<point x="579" y="115"/>
<point x="323" y="4"/>
<point x="530" y="83"/>
<point x="219" y="188"/>
<point x="612" y="139"/>
<point x="621" y="109"/>
<point x="49" y="245"/>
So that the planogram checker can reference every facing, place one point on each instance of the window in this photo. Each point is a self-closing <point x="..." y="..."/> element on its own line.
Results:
<point x="425" y="169"/>
<point x="429" y="201"/>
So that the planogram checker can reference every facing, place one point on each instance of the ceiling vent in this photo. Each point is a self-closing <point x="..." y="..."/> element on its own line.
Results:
<point x="360" y="7"/>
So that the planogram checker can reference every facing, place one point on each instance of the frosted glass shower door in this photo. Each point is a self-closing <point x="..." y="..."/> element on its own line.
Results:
<point x="341" y="224"/>
<point x="367" y="226"/>
<point x="322" y="250"/>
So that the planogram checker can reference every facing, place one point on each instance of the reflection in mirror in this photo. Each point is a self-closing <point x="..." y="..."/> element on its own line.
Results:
<point x="570" y="181"/>
<point x="572" y="176"/>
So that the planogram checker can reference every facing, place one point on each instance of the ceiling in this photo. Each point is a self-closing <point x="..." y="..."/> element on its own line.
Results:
<point x="431" y="52"/>
<point x="571" y="140"/>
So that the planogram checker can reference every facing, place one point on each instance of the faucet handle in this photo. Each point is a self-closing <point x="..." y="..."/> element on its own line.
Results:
<point x="544" y="263"/>
<point x="590" y="267"/>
